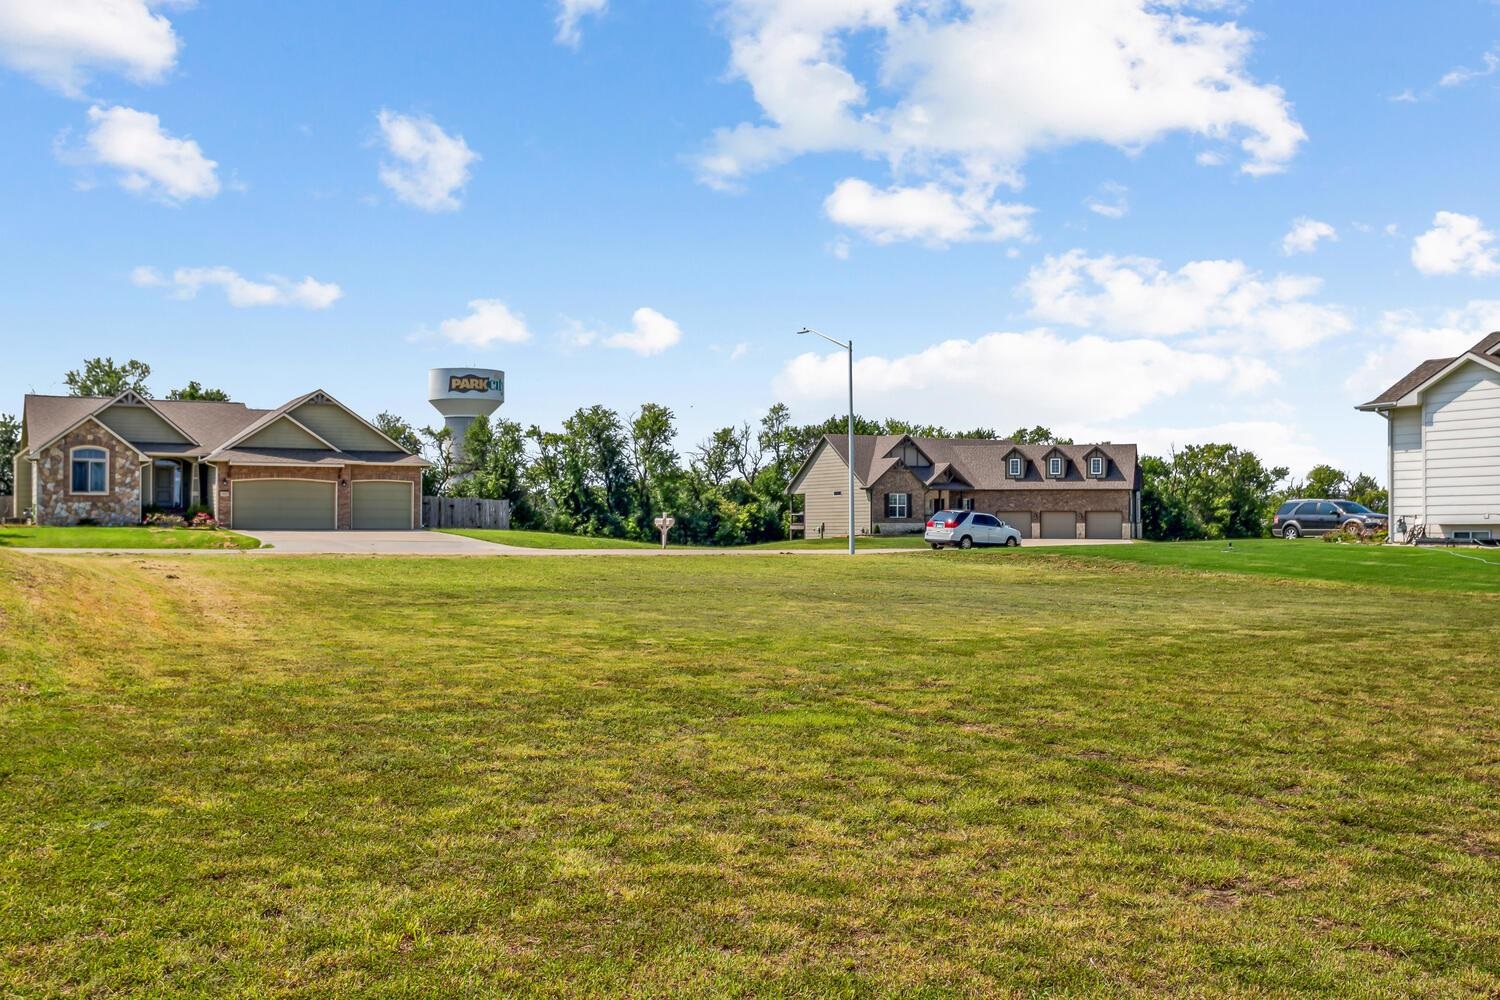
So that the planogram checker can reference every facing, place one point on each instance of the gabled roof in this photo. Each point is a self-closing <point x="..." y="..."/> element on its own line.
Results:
<point x="982" y="461"/>
<point x="213" y="426"/>
<point x="1487" y="351"/>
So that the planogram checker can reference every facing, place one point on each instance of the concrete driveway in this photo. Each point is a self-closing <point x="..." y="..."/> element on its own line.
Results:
<point x="384" y="543"/>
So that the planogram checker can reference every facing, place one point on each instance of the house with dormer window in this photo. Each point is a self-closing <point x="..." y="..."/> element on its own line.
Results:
<point x="1045" y="491"/>
<point x="311" y="463"/>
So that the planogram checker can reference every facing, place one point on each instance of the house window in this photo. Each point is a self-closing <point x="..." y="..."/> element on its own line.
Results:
<point x="1015" y="468"/>
<point x="898" y="505"/>
<point x="1096" y="466"/>
<point x="90" y="470"/>
<point x="1054" y="466"/>
<point x="967" y="504"/>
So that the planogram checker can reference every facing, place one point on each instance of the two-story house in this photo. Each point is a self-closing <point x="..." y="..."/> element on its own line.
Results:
<point x="1045" y="491"/>
<point x="1443" y="444"/>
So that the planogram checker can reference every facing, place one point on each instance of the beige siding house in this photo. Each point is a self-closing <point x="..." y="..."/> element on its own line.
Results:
<point x="1443" y="439"/>
<point x="1045" y="491"/>
<point x="310" y="463"/>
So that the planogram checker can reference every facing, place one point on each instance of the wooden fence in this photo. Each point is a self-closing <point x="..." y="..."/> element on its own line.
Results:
<point x="465" y="512"/>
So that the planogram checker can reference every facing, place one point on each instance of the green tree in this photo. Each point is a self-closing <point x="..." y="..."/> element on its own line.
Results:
<point x="494" y="466"/>
<point x="1207" y="491"/>
<point x="434" y="446"/>
<point x="1364" y="489"/>
<point x="1324" y="481"/>
<point x="193" y="390"/>
<point x="400" y="431"/>
<point x="102" y="377"/>
<point x="653" y="463"/>
<point x="10" y="443"/>
<point x="1037" y="435"/>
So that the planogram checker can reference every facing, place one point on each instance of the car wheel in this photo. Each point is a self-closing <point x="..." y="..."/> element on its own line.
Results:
<point x="966" y="542"/>
<point x="1012" y="542"/>
<point x="1290" y="532"/>
<point x="936" y="547"/>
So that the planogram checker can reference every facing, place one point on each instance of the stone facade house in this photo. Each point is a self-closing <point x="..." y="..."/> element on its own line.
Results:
<point x="1045" y="491"/>
<point x="311" y="463"/>
<point x="1443" y="445"/>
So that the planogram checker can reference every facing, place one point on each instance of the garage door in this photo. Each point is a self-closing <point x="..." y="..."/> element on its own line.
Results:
<point x="282" y="505"/>
<point x="1059" y="524"/>
<point x="380" y="506"/>
<point x="1104" y="524"/>
<point x="1018" y="519"/>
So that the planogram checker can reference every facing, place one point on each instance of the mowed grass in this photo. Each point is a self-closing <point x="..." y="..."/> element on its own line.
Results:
<point x="860" y="542"/>
<point x="139" y="537"/>
<point x="964" y="774"/>
<point x="546" y="539"/>
<point x="1359" y="566"/>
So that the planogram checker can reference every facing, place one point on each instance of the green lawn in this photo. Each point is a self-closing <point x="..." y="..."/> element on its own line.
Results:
<point x="958" y="775"/>
<point x="547" y="539"/>
<point x="861" y="542"/>
<point x="1361" y="566"/>
<point x="16" y="537"/>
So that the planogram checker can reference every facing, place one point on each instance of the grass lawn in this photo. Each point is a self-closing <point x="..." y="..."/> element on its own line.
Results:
<point x="121" y="538"/>
<point x="862" y="542"/>
<point x="1362" y="566"/>
<point x="546" y="539"/>
<point x="969" y="774"/>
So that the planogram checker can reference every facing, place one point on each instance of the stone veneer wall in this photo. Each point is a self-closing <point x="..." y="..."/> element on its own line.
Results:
<point x="58" y="505"/>
<point x="343" y="475"/>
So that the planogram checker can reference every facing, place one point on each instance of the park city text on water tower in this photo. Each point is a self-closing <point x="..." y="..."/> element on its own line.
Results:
<point x="462" y="395"/>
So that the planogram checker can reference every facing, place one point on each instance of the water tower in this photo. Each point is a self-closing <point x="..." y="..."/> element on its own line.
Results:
<point x="461" y="395"/>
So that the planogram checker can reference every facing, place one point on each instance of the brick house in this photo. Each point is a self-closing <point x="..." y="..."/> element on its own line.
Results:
<point x="1046" y="491"/>
<point x="311" y="463"/>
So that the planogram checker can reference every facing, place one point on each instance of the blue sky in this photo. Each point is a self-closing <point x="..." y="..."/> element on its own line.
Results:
<point x="1084" y="214"/>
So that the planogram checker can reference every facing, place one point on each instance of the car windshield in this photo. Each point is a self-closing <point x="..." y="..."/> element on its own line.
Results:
<point x="1350" y="507"/>
<point x="949" y="515"/>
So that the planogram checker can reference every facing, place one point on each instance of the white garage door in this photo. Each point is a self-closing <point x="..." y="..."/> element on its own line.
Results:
<point x="382" y="506"/>
<point x="1104" y="524"/>
<point x="1059" y="524"/>
<point x="1018" y="519"/>
<point x="282" y="505"/>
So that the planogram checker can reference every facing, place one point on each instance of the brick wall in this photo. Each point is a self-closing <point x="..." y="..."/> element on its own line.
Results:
<point x="1080" y="502"/>
<point x="899" y="480"/>
<point x="57" y="504"/>
<point x="343" y="475"/>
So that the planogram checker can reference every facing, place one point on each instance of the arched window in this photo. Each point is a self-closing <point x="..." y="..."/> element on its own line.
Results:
<point x="90" y="470"/>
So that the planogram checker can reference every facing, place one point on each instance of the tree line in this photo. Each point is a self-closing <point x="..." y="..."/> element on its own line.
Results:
<point x="606" y="475"/>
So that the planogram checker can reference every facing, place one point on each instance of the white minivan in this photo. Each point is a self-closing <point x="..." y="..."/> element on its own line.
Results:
<point x="968" y="528"/>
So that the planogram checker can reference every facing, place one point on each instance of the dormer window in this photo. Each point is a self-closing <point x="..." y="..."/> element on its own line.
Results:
<point x="1055" y="466"/>
<point x="1096" y="466"/>
<point x="1015" y="467"/>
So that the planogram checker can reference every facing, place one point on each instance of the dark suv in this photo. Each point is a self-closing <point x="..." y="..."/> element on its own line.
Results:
<point x="1296" y="518"/>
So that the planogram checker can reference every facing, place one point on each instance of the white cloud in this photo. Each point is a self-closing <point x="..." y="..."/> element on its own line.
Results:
<point x="1460" y="75"/>
<point x="62" y="42"/>
<point x="650" y="333"/>
<point x="1304" y="235"/>
<point x="1111" y="201"/>
<point x="1219" y="301"/>
<point x="241" y="292"/>
<point x="928" y="213"/>
<point x="489" y="322"/>
<point x="1407" y="338"/>
<point x="1455" y="244"/>
<point x="151" y="162"/>
<point x="570" y="13"/>
<point x="739" y="351"/>
<point x="976" y="86"/>
<point x="429" y="167"/>
<point x="1027" y="377"/>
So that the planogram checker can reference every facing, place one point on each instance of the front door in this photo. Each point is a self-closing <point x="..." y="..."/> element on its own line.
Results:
<point x="165" y="477"/>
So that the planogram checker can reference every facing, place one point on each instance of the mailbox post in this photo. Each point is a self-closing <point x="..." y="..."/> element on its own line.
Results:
<point x="664" y="523"/>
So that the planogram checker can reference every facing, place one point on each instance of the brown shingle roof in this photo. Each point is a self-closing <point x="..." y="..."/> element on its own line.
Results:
<point x="1488" y="348"/>
<point x="313" y="456"/>
<point x="981" y="461"/>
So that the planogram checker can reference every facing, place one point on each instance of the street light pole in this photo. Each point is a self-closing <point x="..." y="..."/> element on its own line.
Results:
<point x="849" y="347"/>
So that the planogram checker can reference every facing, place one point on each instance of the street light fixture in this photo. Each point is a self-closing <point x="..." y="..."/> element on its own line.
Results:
<point x="850" y="348"/>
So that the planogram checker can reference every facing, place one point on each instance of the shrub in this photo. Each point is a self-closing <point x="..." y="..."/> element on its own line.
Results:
<point x="198" y="508"/>
<point x="164" y="521"/>
<point x="203" y="519"/>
